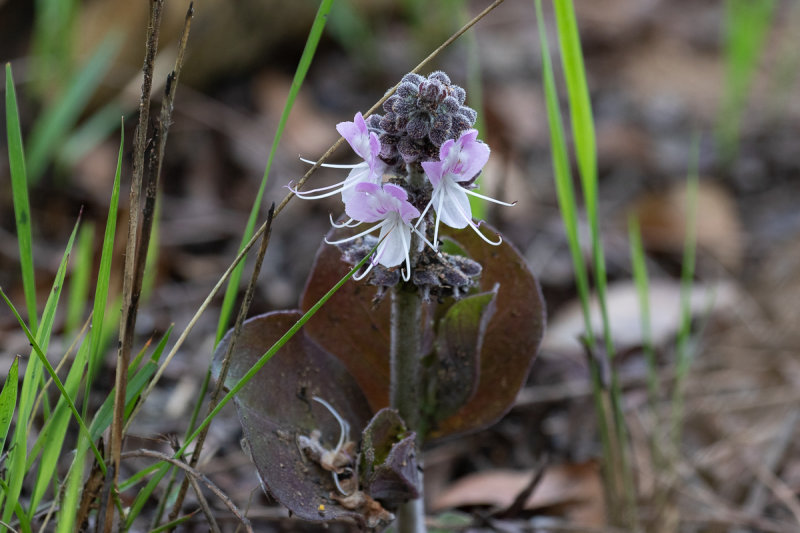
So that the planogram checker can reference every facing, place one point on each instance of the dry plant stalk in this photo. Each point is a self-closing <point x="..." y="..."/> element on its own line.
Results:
<point x="218" y="389"/>
<point x="146" y="168"/>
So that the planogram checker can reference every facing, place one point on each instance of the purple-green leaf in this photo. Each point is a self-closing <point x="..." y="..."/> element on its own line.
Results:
<point x="276" y="408"/>
<point x="387" y="464"/>
<point x="454" y="372"/>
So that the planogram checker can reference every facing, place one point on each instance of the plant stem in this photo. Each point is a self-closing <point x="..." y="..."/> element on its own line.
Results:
<point x="405" y="356"/>
<point x="405" y="393"/>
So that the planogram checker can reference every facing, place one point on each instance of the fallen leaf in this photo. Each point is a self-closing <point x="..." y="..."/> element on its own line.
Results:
<point x="576" y="489"/>
<point x="663" y="218"/>
<point x="625" y="314"/>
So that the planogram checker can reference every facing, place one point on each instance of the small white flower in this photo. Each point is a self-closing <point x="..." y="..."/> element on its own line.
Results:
<point x="389" y="206"/>
<point x="459" y="162"/>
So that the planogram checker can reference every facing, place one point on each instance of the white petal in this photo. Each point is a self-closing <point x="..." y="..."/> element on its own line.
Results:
<point x="394" y="249"/>
<point x="455" y="210"/>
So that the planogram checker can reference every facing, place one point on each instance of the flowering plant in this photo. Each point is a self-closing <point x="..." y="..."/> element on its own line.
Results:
<point x="463" y="322"/>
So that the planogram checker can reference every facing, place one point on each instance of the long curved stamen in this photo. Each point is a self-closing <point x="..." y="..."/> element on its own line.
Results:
<point x="488" y="199"/>
<point x="346" y="224"/>
<point x="354" y="237"/>
<point x="474" y="226"/>
<point x="408" y="258"/>
<point x="425" y="240"/>
<point x="424" y="211"/>
<point x="337" y="188"/>
<point x="359" y="277"/>
<point x="328" y="165"/>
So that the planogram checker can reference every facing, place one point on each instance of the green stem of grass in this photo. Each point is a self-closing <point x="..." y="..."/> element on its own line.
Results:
<point x="683" y="355"/>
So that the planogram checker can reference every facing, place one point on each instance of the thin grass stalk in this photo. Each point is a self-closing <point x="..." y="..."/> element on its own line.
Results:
<point x="79" y="280"/>
<point x="683" y="356"/>
<point x="132" y="251"/>
<point x="198" y="476"/>
<point x="586" y="154"/>
<point x="314" y="36"/>
<point x="642" y="283"/>
<point x="42" y="358"/>
<point x="237" y="329"/>
<point x="746" y="25"/>
<point x="565" y="194"/>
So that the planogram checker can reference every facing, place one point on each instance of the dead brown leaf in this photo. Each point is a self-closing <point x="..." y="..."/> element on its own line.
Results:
<point x="576" y="490"/>
<point x="663" y="218"/>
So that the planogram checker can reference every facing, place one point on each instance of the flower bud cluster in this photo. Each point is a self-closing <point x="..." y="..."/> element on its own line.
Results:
<point x="420" y="158"/>
<point x="421" y="115"/>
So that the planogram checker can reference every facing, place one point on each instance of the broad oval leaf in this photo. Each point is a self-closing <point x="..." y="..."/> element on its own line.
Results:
<point x="356" y="330"/>
<point x="276" y="408"/>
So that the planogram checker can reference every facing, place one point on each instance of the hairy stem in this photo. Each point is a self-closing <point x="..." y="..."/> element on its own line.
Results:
<point x="406" y="389"/>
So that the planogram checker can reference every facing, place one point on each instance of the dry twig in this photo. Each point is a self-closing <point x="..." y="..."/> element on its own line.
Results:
<point x="198" y="477"/>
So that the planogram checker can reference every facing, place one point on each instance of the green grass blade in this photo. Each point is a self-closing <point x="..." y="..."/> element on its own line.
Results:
<point x="79" y="281"/>
<point x="683" y="356"/>
<point x="8" y="401"/>
<point x="104" y="273"/>
<point x="49" y="313"/>
<point x="19" y="187"/>
<point x="56" y="431"/>
<point x="475" y="94"/>
<point x="63" y="113"/>
<point x="51" y="371"/>
<point x="642" y="283"/>
<point x="137" y="380"/>
<point x="312" y="41"/>
<point x="583" y="135"/>
<point x="17" y="458"/>
<point x="143" y="495"/>
<point x="169" y="526"/>
<point x="565" y="191"/>
<point x="53" y="40"/>
<point x="70" y="502"/>
<point x="747" y="24"/>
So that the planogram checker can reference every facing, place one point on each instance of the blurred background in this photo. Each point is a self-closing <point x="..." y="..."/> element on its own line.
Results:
<point x="663" y="74"/>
